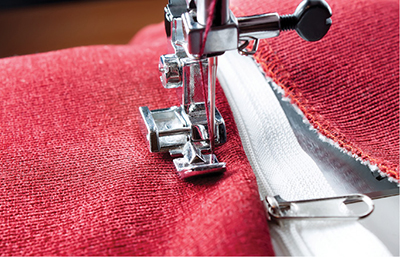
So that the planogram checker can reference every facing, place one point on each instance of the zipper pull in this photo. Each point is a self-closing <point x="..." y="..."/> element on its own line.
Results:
<point x="340" y="207"/>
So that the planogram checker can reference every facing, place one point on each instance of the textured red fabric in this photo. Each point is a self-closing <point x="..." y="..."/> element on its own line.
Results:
<point x="76" y="174"/>
<point x="347" y="84"/>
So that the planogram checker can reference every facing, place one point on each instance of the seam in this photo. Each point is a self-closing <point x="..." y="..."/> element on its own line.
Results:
<point x="272" y="66"/>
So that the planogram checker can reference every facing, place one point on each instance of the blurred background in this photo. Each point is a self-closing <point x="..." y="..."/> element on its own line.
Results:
<point x="33" y="26"/>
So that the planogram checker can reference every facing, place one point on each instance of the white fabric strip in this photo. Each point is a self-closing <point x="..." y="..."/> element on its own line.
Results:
<point x="283" y="168"/>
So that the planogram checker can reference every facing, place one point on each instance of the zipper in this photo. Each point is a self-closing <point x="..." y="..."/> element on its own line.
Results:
<point x="283" y="168"/>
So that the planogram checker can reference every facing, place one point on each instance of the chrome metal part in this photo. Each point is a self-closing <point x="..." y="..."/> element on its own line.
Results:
<point x="166" y="128"/>
<point x="195" y="163"/>
<point x="173" y="11"/>
<point x="311" y="20"/>
<point x="243" y="50"/>
<point x="325" y="208"/>
<point x="171" y="71"/>
<point x="254" y="28"/>
<point x="259" y="26"/>
<point x="193" y="81"/>
<point x="221" y="13"/>
<point x="186" y="130"/>
<point x="219" y="39"/>
<point x="212" y="77"/>
<point x="171" y="128"/>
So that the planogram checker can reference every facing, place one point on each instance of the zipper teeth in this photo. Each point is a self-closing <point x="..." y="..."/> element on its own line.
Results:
<point x="287" y="246"/>
<point x="245" y="138"/>
<point x="282" y="167"/>
<point x="280" y="164"/>
<point x="291" y="243"/>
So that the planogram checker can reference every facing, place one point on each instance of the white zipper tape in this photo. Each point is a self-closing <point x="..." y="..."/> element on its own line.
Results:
<point x="283" y="168"/>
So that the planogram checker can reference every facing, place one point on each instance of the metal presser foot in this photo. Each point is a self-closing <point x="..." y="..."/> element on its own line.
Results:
<point x="185" y="131"/>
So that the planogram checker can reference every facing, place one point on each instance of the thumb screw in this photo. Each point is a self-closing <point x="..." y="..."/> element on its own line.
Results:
<point x="288" y="22"/>
<point x="311" y="20"/>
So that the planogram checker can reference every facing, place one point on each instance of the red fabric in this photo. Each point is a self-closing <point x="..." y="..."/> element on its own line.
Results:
<point x="347" y="84"/>
<point x="76" y="174"/>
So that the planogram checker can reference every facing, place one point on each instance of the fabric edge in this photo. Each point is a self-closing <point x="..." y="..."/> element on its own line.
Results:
<point x="275" y="70"/>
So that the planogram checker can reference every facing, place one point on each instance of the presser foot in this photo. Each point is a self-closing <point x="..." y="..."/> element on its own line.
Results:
<point x="194" y="163"/>
<point x="186" y="136"/>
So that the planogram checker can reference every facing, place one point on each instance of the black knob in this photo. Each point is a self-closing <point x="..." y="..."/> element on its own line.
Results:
<point x="311" y="20"/>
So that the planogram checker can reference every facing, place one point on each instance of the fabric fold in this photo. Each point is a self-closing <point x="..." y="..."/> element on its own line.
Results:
<point x="76" y="174"/>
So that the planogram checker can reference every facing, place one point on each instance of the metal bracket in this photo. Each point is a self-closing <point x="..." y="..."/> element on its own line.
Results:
<point x="194" y="127"/>
<point x="173" y="130"/>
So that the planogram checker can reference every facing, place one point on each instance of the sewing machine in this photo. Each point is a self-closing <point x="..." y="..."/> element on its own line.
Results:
<point x="191" y="130"/>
